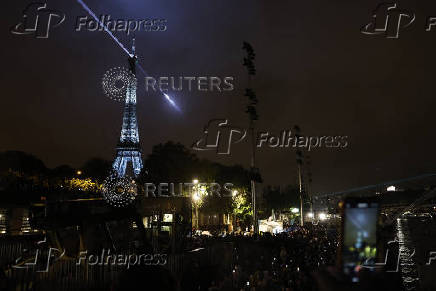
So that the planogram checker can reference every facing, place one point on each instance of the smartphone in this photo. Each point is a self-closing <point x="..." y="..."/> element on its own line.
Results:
<point x="358" y="248"/>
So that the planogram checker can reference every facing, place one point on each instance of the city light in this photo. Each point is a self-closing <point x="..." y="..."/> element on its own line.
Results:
<point x="196" y="200"/>
<point x="79" y="172"/>
<point x="196" y="197"/>
<point x="168" y="217"/>
<point x="203" y="190"/>
<point x="295" y="210"/>
<point x="322" y="216"/>
<point x="310" y="215"/>
<point x="391" y="188"/>
<point x="234" y="193"/>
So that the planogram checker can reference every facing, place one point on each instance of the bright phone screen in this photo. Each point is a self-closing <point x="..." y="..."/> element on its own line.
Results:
<point x="360" y="227"/>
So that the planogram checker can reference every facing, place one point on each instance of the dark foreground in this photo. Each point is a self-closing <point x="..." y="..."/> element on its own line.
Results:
<point x="302" y="259"/>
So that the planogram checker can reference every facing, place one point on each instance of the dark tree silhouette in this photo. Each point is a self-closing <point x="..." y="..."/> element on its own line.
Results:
<point x="21" y="162"/>
<point x="170" y="162"/>
<point x="248" y="62"/>
<point x="96" y="168"/>
<point x="62" y="171"/>
<point x="280" y="199"/>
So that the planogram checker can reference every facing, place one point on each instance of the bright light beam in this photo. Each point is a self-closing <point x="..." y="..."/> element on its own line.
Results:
<point x="104" y="26"/>
<point x="168" y="98"/>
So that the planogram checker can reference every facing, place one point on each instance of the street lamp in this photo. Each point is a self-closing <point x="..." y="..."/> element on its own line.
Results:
<point x="391" y="189"/>
<point x="79" y="172"/>
<point x="196" y="198"/>
<point x="322" y="216"/>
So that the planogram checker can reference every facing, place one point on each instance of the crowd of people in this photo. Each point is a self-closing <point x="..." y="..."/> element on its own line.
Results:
<point x="284" y="261"/>
<point x="297" y="259"/>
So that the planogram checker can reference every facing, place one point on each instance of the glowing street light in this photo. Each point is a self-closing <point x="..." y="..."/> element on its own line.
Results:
<point x="391" y="189"/>
<point x="79" y="172"/>
<point x="196" y="195"/>
<point x="322" y="216"/>
<point x="196" y="198"/>
<point x="295" y="210"/>
<point x="310" y="215"/>
<point x="234" y="193"/>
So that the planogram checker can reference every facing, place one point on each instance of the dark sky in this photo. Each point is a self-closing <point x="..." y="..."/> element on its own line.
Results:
<point x="314" y="68"/>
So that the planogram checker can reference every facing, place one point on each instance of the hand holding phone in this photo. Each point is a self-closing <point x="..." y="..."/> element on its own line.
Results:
<point x="359" y="236"/>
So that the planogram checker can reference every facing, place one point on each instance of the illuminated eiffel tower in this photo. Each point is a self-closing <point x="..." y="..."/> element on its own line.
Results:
<point x="128" y="159"/>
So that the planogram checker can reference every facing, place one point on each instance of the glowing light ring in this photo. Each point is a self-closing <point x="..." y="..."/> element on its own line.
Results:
<point x="113" y="78"/>
<point x="119" y="191"/>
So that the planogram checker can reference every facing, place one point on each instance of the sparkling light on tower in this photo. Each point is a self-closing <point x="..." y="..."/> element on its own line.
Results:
<point x="115" y="83"/>
<point x="119" y="192"/>
<point x="128" y="150"/>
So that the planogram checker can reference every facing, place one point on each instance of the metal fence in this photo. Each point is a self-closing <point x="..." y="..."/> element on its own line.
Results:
<point x="65" y="273"/>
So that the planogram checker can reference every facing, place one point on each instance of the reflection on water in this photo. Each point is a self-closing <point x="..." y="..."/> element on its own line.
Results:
<point x="417" y="238"/>
<point x="409" y="271"/>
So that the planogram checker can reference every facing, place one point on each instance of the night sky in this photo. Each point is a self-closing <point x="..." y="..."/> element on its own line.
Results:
<point x="314" y="69"/>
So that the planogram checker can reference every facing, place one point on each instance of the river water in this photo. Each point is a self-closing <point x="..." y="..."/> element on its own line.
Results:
<point x="417" y="239"/>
